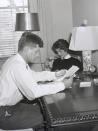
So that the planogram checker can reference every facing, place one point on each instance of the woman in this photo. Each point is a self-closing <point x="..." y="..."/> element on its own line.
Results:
<point x="64" y="60"/>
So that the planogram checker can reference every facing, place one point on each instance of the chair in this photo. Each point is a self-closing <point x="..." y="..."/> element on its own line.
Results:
<point x="76" y="54"/>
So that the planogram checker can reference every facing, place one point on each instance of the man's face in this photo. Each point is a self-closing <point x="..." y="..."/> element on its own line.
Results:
<point x="32" y="53"/>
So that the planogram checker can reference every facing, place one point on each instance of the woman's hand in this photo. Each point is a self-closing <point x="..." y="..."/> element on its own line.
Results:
<point x="60" y="73"/>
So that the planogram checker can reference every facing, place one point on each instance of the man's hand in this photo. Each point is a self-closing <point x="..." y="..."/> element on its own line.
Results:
<point x="68" y="82"/>
<point x="60" y="73"/>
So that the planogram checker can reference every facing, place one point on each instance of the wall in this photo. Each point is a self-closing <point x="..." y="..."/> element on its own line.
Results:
<point x="86" y="9"/>
<point x="62" y="18"/>
<point x="55" y="21"/>
<point x="61" y="11"/>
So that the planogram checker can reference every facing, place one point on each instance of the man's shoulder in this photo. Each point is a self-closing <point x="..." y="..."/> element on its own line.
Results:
<point x="12" y="62"/>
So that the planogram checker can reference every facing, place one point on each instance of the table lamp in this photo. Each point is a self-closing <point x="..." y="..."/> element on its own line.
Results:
<point x="85" y="39"/>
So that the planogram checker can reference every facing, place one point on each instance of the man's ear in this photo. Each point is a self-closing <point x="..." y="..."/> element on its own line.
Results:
<point x="26" y="48"/>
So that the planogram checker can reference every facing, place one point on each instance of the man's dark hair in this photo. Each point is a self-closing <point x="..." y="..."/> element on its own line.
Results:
<point x="28" y="37"/>
<point x="60" y="44"/>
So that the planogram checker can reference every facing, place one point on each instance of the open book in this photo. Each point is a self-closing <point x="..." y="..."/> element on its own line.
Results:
<point x="69" y="73"/>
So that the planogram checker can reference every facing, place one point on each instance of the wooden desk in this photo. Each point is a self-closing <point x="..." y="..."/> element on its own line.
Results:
<point x="75" y="109"/>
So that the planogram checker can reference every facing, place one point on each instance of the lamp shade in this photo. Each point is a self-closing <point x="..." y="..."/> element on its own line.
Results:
<point x="84" y="38"/>
<point x="27" y="21"/>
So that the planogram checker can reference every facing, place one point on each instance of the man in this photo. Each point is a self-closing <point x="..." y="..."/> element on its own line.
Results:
<point x="17" y="80"/>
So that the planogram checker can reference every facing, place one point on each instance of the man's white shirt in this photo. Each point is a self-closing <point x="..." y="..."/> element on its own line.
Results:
<point x="18" y="80"/>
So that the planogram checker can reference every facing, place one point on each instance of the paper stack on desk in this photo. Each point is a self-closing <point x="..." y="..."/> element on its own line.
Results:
<point x="85" y="84"/>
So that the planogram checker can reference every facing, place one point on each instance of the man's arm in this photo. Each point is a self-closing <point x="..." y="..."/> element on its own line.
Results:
<point x="48" y="75"/>
<point x="44" y="76"/>
<point x="29" y="87"/>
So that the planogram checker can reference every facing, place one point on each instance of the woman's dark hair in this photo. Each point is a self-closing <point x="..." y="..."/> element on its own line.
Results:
<point x="60" y="44"/>
<point x="28" y="37"/>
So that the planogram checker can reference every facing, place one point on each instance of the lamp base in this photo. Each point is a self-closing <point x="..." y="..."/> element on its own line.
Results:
<point x="87" y="61"/>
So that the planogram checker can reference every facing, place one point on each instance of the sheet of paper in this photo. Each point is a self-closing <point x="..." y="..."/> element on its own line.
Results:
<point x="69" y="73"/>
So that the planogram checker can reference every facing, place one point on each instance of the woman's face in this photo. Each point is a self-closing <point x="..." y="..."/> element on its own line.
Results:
<point x="61" y="53"/>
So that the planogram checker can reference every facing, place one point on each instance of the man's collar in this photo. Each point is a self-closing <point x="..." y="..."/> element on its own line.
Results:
<point x="21" y="58"/>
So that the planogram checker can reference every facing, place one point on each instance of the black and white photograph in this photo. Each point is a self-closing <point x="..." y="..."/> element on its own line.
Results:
<point x="48" y="65"/>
